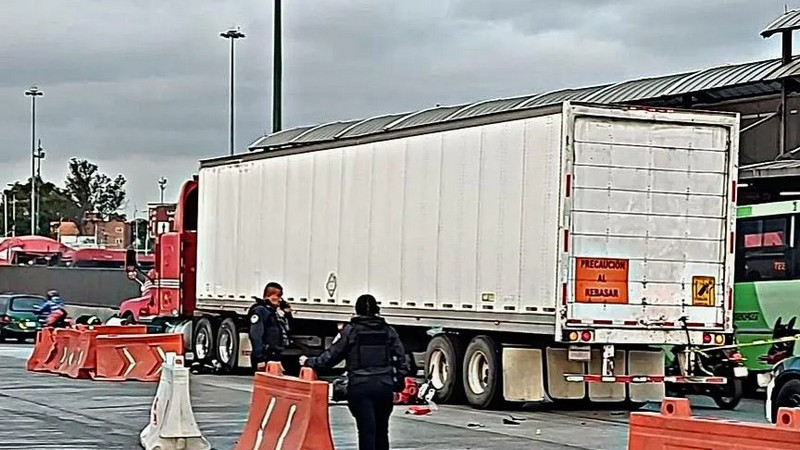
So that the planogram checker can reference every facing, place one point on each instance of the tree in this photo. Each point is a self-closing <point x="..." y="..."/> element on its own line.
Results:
<point x="93" y="191"/>
<point x="54" y="203"/>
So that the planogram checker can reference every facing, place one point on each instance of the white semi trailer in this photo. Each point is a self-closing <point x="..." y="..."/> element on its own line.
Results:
<point x="542" y="254"/>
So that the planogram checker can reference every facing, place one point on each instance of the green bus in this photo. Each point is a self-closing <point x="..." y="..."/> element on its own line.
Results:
<point x="767" y="274"/>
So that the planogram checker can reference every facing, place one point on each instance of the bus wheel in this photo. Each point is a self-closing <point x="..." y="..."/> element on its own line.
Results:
<point x="483" y="373"/>
<point x="228" y="345"/>
<point x="443" y="363"/>
<point x="203" y="341"/>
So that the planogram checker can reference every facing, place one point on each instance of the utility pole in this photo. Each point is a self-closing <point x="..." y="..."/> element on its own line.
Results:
<point x="33" y="92"/>
<point x="277" y="69"/>
<point x="231" y="35"/>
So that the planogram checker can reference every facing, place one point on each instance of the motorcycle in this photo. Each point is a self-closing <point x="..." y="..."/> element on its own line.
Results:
<point x="726" y="363"/>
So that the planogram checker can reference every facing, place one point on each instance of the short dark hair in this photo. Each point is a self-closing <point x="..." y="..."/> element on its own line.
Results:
<point x="366" y="305"/>
<point x="270" y="286"/>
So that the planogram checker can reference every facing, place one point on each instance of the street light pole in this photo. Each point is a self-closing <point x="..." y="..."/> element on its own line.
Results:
<point x="162" y="184"/>
<point x="5" y="214"/>
<point x="232" y="35"/>
<point x="277" y="69"/>
<point x="39" y="157"/>
<point x="33" y="92"/>
<point x="14" y="215"/>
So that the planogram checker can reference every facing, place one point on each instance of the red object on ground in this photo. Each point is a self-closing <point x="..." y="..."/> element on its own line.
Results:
<point x="418" y="410"/>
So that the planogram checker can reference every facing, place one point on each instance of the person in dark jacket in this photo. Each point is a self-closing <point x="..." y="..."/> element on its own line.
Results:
<point x="376" y="366"/>
<point x="267" y="335"/>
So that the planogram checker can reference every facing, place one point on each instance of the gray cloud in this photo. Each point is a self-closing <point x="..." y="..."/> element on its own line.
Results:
<point x="141" y="87"/>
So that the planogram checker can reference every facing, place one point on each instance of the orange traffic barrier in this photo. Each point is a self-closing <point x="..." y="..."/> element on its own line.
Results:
<point x="674" y="427"/>
<point x="81" y="351"/>
<point x="67" y="342"/>
<point x="43" y="350"/>
<point x="287" y="412"/>
<point x="134" y="357"/>
<point x="57" y="357"/>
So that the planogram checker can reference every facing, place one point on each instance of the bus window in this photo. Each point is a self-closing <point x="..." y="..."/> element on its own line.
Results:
<point x="763" y="249"/>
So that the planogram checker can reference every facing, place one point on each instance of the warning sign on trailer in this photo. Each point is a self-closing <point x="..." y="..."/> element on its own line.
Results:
<point x="601" y="280"/>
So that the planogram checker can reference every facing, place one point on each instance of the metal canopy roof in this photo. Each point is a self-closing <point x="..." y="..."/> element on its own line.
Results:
<point x="771" y="169"/>
<point x="714" y="84"/>
<point x="790" y="20"/>
<point x="324" y="132"/>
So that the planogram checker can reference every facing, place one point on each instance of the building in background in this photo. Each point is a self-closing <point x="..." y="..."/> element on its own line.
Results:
<point x="162" y="218"/>
<point x="112" y="233"/>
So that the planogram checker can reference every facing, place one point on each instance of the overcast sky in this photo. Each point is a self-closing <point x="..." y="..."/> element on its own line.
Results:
<point x="141" y="87"/>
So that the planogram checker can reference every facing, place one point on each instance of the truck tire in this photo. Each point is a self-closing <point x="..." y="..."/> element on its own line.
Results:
<point x="203" y="342"/>
<point x="227" y="347"/>
<point x="483" y="373"/>
<point x="443" y="362"/>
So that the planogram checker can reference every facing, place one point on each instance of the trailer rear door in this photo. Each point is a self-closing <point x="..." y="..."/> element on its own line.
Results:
<point x="649" y="221"/>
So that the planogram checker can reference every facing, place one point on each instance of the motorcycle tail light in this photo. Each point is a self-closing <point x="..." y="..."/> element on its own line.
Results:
<point x="735" y="357"/>
<point x="5" y="319"/>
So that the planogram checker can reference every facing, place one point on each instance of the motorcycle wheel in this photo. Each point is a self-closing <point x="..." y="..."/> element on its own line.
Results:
<point x="729" y="395"/>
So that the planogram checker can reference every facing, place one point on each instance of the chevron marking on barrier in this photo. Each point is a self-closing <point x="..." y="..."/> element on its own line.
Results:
<point x="264" y="423"/>
<point x="285" y="431"/>
<point x="163" y="358"/>
<point x="131" y="362"/>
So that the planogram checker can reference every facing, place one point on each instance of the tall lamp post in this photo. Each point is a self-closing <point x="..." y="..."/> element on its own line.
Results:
<point x="5" y="214"/>
<point x="33" y="92"/>
<point x="231" y="35"/>
<point x="162" y="184"/>
<point x="39" y="156"/>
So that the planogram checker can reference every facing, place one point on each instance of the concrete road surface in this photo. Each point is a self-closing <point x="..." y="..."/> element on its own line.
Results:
<point x="46" y="411"/>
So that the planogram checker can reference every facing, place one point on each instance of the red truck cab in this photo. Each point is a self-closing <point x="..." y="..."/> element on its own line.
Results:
<point x="169" y="290"/>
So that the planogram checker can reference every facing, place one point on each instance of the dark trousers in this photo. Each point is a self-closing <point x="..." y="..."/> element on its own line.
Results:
<point x="371" y="406"/>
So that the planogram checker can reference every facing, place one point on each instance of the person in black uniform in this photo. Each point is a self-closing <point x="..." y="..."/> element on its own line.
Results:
<point x="376" y="367"/>
<point x="267" y="335"/>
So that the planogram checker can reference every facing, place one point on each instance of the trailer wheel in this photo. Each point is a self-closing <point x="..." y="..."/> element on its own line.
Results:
<point x="443" y="362"/>
<point x="228" y="345"/>
<point x="203" y="341"/>
<point x="483" y="375"/>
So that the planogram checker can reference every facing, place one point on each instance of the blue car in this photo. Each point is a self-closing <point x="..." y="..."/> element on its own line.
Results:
<point x="783" y="390"/>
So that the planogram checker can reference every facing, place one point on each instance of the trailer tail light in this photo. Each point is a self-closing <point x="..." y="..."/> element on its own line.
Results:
<point x="732" y="244"/>
<point x="733" y="191"/>
<point x="573" y="336"/>
<point x="730" y="299"/>
<point x="577" y="336"/>
<point x="564" y="294"/>
<point x="568" y="186"/>
<point x="709" y="338"/>
<point x="566" y="240"/>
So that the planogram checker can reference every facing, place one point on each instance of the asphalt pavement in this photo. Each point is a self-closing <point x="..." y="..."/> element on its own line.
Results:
<point x="46" y="411"/>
